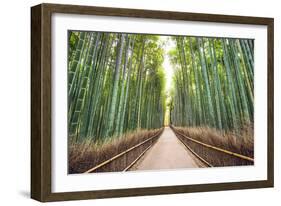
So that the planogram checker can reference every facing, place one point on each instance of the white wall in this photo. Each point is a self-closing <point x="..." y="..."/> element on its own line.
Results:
<point x="15" y="101"/>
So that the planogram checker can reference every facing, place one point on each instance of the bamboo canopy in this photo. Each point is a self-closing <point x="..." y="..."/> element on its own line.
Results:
<point x="213" y="82"/>
<point x="116" y="83"/>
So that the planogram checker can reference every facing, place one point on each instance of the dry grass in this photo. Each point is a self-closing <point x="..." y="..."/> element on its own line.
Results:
<point x="87" y="154"/>
<point x="242" y="143"/>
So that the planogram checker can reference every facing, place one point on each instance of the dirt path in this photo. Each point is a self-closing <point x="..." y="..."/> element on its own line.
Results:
<point x="167" y="153"/>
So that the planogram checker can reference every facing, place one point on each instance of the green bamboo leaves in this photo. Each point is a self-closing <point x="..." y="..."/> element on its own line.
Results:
<point x="115" y="85"/>
<point x="216" y="77"/>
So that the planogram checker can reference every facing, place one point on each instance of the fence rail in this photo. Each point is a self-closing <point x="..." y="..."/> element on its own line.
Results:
<point x="125" y="162"/>
<point x="206" y="152"/>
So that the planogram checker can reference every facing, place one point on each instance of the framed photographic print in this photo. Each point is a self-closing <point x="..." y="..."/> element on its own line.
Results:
<point x="130" y="102"/>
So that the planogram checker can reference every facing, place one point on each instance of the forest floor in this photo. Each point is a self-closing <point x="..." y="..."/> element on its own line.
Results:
<point x="167" y="153"/>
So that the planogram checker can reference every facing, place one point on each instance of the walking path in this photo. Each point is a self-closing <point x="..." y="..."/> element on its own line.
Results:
<point x="167" y="153"/>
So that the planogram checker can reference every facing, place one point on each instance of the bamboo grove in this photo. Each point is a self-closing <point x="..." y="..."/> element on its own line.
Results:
<point x="213" y="82"/>
<point x="114" y="84"/>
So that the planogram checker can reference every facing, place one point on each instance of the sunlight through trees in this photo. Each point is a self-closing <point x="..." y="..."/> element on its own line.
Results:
<point x="116" y="83"/>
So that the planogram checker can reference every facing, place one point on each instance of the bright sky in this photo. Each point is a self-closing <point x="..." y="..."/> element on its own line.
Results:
<point x="167" y="65"/>
<point x="169" y="72"/>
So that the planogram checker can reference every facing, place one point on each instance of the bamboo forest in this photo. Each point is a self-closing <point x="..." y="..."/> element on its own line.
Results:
<point x="127" y="92"/>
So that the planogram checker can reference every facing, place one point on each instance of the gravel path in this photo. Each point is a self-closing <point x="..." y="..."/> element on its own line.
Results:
<point x="167" y="153"/>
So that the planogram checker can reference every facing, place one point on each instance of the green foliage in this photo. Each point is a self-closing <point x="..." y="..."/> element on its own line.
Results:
<point x="115" y="84"/>
<point x="215" y="78"/>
